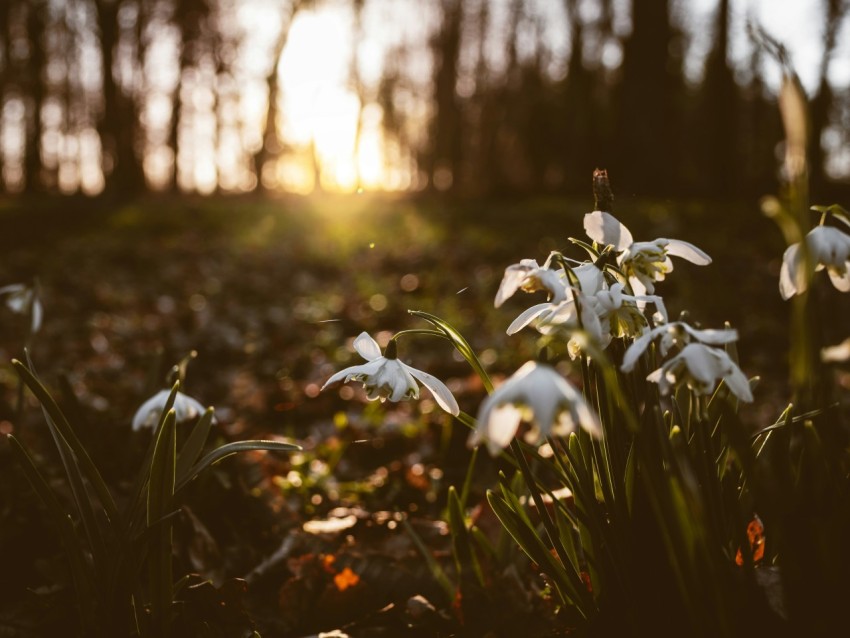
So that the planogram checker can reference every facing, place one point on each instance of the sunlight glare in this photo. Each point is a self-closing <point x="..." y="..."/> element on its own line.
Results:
<point x="321" y="111"/>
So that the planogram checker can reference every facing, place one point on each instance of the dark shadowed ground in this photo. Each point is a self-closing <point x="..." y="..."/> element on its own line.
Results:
<point x="269" y="295"/>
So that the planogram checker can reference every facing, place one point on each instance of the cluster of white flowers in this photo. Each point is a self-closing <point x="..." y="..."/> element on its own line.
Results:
<point x="610" y="304"/>
<point x="599" y="301"/>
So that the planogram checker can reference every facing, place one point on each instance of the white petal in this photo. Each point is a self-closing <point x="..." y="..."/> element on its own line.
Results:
<point x="394" y="376"/>
<point x="791" y="278"/>
<point x="37" y="315"/>
<point x="512" y="280"/>
<point x="839" y="280"/>
<point x="442" y="395"/>
<point x="12" y="288"/>
<point x="587" y="418"/>
<point x="497" y="425"/>
<point x="704" y="364"/>
<point x="185" y="408"/>
<point x="366" y="369"/>
<point x="639" y="289"/>
<point x="834" y="354"/>
<point x="527" y="317"/>
<point x="635" y="350"/>
<point x="658" y="376"/>
<point x="712" y="337"/>
<point x="144" y="415"/>
<point x="367" y="347"/>
<point x="604" y="228"/>
<point x="687" y="251"/>
<point x="590" y="278"/>
<point x="739" y="385"/>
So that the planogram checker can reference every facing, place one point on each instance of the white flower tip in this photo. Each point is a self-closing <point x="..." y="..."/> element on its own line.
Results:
<point x="604" y="228"/>
<point x="688" y="252"/>
<point x="367" y="347"/>
<point x="837" y="353"/>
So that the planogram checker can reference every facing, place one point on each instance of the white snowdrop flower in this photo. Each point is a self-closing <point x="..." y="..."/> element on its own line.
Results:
<point x="549" y="317"/>
<point x="622" y="315"/>
<point x="701" y="367"/>
<point x="643" y="263"/>
<point x="22" y="299"/>
<point x="150" y="412"/>
<point x="527" y="275"/>
<point x="538" y="394"/>
<point x="677" y="333"/>
<point x="385" y="377"/>
<point x="828" y="248"/>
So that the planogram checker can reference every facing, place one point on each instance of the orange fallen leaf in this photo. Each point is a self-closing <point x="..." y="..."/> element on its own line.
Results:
<point x="345" y="579"/>
<point x="755" y="536"/>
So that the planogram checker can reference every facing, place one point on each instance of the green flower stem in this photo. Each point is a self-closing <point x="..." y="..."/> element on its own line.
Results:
<point x="548" y="523"/>
<point x="447" y="331"/>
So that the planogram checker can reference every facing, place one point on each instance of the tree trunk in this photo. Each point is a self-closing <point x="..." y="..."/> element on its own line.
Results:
<point x="119" y="123"/>
<point x="270" y="147"/>
<point x="36" y="15"/>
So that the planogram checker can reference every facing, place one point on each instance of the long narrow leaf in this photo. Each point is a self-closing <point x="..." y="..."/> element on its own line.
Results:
<point x="460" y="344"/>
<point x="80" y="571"/>
<point x="194" y="445"/>
<point x="88" y="467"/>
<point x="160" y="498"/>
<point x="233" y="448"/>
<point x="135" y="513"/>
<point x="461" y="540"/>
<point x="436" y="571"/>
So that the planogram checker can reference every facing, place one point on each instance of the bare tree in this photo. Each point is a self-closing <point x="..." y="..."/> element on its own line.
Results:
<point x="271" y="145"/>
<point x="443" y="158"/>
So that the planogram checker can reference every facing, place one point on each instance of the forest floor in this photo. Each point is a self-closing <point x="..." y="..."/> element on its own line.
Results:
<point x="270" y="295"/>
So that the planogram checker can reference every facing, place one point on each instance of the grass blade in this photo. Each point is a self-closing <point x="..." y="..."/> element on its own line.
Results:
<point x="194" y="445"/>
<point x="229" y="449"/>
<point x="160" y="498"/>
<point x="61" y="423"/>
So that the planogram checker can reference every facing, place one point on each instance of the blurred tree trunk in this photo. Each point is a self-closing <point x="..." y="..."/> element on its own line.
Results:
<point x="36" y="23"/>
<point x="763" y="130"/>
<point x="649" y="103"/>
<point x="119" y="122"/>
<point x="271" y="146"/>
<point x="443" y="159"/>
<point x="718" y="115"/>
<point x="821" y="105"/>
<point x="5" y="72"/>
<point x="579" y="111"/>
<point x="191" y="18"/>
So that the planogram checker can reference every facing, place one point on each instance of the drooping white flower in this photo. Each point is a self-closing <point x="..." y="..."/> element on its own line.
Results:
<point x="701" y="367"/>
<point x="530" y="277"/>
<point x="538" y="394"/>
<point x="23" y="300"/>
<point x="643" y="263"/>
<point x="676" y="333"/>
<point x="622" y="315"/>
<point x="385" y="377"/>
<point x="148" y="415"/>
<point x="828" y="248"/>
<point x="576" y="312"/>
<point x="564" y="313"/>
